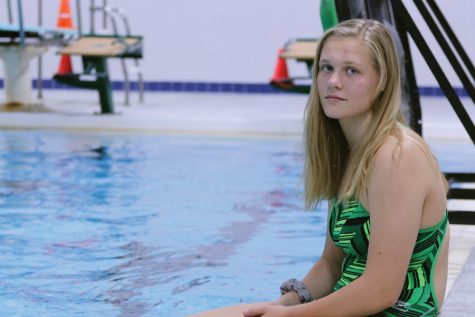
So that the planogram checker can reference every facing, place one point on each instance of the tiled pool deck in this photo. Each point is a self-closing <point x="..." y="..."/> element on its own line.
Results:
<point x="252" y="115"/>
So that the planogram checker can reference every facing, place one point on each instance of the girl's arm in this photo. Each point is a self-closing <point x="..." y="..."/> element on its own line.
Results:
<point x="323" y="275"/>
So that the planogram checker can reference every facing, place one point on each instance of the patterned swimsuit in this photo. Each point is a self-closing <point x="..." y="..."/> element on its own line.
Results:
<point x="349" y="225"/>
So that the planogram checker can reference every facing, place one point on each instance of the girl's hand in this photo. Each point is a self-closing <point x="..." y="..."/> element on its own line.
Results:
<point x="267" y="311"/>
<point x="288" y="299"/>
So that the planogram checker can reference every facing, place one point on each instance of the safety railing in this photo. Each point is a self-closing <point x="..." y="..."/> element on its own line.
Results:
<point x="111" y="14"/>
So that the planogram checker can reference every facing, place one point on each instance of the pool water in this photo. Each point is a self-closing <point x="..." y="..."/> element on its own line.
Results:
<point x="147" y="225"/>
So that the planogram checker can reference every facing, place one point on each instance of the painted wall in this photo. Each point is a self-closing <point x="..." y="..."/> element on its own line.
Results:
<point x="229" y="41"/>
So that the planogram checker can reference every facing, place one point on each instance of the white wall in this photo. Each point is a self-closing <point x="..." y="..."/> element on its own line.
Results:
<point x="232" y="40"/>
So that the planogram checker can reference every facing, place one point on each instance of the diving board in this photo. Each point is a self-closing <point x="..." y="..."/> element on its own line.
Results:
<point x="19" y="44"/>
<point x="10" y="32"/>
<point x="301" y="50"/>
<point x="94" y="51"/>
<point x="105" y="46"/>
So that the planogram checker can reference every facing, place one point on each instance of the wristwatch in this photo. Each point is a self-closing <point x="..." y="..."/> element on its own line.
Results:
<point x="294" y="285"/>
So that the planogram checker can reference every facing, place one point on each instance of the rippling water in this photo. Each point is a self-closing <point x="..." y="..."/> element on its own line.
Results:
<point x="142" y="225"/>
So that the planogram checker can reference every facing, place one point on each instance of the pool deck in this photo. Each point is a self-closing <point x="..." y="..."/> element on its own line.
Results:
<point x="243" y="115"/>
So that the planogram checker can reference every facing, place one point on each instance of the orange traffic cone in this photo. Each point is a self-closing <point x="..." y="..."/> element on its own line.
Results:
<point x="65" y="65"/>
<point x="281" y="74"/>
<point x="65" y="21"/>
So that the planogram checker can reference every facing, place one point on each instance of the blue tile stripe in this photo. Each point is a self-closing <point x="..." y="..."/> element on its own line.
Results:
<point x="215" y="87"/>
<point x="436" y="91"/>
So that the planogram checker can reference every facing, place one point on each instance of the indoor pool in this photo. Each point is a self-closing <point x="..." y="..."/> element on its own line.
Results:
<point x="146" y="225"/>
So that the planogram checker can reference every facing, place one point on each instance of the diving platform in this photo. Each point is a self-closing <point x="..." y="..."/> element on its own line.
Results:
<point x="19" y="45"/>
<point x="21" y="42"/>
<point x="94" y="51"/>
<point x="12" y="34"/>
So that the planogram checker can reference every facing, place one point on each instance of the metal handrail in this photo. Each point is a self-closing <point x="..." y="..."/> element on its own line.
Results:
<point x="125" y="21"/>
<point x="110" y="14"/>
<point x="436" y="69"/>
<point x="78" y="15"/>
<point x="20" y="18"/>
<point x="446" y="49"/>
<point x="40" y="58"/>
<point x="453" y="38"/>
<point x="9" y="9"/>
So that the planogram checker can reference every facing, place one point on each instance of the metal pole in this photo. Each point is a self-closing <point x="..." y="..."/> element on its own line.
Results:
<point x="114" y="24"/>
<point x="141" y="84"/>
<point x="411" y="105"/>
<point x="451" y="34"/>
<point x="39" y="80"/>
<point x="92" y="12"/>
<point x="10" y="15"/>
<point x="78" y="9"/>
<point x="434" y="66"/>
<point x="126" y="81"/>
<point x="22" y="30"/>
<point x="467" y="84"/>
<point x="104" y="14"/>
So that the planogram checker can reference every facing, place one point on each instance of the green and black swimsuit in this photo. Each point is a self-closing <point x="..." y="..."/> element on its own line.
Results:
<point x="349" y="225"/>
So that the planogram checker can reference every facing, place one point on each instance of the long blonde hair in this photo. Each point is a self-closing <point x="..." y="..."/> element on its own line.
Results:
<point x="326" y="149"/>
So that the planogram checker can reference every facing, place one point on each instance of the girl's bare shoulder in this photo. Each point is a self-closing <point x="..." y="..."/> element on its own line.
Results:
<point x="406" y="150"/>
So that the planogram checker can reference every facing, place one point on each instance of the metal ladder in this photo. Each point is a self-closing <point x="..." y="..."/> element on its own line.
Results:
<point x="112" y="14"/>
